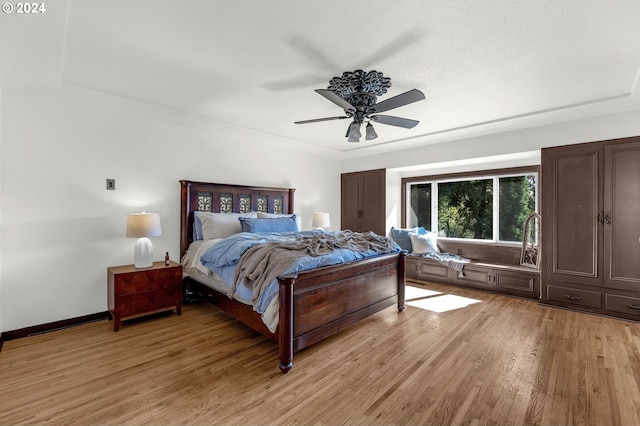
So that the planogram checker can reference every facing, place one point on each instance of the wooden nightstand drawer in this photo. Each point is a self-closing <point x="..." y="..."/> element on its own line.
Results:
<point x="137" y="304"/>
<point x="135" y="292"/>
<point x="147" y="280"/>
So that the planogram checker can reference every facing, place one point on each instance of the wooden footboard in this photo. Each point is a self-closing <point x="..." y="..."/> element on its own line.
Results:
<point x="321" y="302"/>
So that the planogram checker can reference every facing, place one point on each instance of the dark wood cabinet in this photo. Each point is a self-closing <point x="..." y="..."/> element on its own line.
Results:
<point x="621" y="216"/>
<point x="572" y="202"/>
<point x="591" y="226"/>
<point x="134" y="292"/>
<point x="363" y="201"/>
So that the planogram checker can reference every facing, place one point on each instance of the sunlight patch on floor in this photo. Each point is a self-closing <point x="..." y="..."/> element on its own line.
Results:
<point x="411" y="292"/>
<point x="435" y="301"/>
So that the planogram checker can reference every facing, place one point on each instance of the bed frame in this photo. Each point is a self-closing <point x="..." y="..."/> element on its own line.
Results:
<point x="314" y="304"/>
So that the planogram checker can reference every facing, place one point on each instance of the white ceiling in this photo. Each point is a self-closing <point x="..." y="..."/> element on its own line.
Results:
<point x="483" y="65"/>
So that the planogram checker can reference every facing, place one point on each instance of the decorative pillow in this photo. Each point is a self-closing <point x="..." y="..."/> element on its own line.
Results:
<point x="272" y="224"/>
<point x="262" y="215"/>
<point x="221" y="225"/>
<point x="401" y="236"/>
<point x="424" y="243"/>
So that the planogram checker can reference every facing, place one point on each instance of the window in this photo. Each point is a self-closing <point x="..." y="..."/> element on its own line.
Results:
<point x="486" y="208"/>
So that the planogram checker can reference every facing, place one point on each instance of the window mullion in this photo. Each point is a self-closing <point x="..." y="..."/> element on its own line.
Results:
<point x="496" y="208"/>
<point x="434" y="206"/>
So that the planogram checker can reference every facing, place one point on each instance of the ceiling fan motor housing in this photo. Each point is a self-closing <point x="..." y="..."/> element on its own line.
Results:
<point x="372" y="83"/>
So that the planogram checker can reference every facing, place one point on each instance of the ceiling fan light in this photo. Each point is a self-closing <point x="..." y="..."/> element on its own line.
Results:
<point x="354" y="131"/>
<point x="353" y="139"/>
<point x="371" y="132"/>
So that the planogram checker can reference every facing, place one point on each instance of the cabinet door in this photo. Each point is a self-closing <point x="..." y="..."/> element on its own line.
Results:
<point x="372" y="202"/>
<point x="475" y="276"/>
<point x="363" y="201"/>
<point x="622" y="216"/>
<point x="572" y="205"/>
<point x="350" y="205"/>
<point x="519" y="283"/>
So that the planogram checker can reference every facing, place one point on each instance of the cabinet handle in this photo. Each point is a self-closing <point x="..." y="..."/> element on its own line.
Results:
<point x="607" y="217"/>
<point x="601" y="217"/>
<point x="632" y="306"/>
<point x="572" y="297"/>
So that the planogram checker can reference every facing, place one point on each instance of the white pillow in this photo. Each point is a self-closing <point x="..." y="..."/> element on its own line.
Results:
<point x="424" y="243"/>
<point x="262" y="215"/>
<point x="221" y="225"/>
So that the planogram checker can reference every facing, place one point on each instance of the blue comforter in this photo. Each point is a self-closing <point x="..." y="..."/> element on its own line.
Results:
<point x="223" y="258"/>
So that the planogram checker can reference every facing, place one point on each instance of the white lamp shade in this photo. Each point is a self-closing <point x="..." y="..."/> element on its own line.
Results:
<point x="321" y="220"/>
<point x="141" y="226"/>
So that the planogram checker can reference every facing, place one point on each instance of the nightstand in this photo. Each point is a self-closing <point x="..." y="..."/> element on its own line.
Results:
<point x="134" y="292"/>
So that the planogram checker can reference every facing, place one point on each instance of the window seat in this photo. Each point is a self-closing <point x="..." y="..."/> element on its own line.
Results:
<point x="491" y="267"/>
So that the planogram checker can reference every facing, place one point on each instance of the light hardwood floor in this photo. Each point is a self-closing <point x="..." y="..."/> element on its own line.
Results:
<point x="500" y="360"/>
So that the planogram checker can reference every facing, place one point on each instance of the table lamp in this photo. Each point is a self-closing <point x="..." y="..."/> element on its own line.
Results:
<point x="141" y="226"/>
<point x="320" y="220"/>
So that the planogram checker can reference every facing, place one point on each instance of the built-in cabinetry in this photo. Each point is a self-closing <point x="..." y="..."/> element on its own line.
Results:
<point x="591" y="227"/>
<point x="363" y="201"/>
<point x="507" y="279"/>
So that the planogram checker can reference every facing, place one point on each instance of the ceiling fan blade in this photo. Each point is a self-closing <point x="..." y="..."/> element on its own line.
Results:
<point x="317" y="120"/>
<point x="395" y="121"/>
<point x="333" y="97"/>
<point x="399" y="100"/>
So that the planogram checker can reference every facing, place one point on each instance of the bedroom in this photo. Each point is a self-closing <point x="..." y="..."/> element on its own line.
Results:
<point x="87" y="94"/>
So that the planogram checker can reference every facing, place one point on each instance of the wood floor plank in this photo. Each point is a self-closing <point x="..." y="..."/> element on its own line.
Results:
<point x="499" y="361"/>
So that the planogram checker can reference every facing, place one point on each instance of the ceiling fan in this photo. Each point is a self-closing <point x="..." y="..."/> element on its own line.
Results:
<point x="357" y="92"/>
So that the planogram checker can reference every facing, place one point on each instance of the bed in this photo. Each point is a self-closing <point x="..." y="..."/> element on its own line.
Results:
<point x="311" y="305"/>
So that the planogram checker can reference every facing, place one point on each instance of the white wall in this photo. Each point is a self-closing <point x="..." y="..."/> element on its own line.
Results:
<point x="393" y="199"/>
<point x="1" y="210"/>
<point x="61" y="228"/>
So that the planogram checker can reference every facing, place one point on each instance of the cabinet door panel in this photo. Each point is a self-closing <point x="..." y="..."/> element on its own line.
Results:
<point x="514" y="280"/>
<point x="474" y="275"/>
<point x="622" y="216"/>
<point x="373" y="203"/>
<point x="571" y="188"/>
<point x="433" y="271"/>
<point x="350" y="211"/>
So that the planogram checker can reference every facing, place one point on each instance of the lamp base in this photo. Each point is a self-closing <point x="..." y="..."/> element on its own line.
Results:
<point x="143" y="253"/>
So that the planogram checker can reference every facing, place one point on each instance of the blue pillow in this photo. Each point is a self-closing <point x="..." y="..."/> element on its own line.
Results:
<point x="197" y="227"/>
<point x="275" y="224"/>
<point x="401" y="236"/>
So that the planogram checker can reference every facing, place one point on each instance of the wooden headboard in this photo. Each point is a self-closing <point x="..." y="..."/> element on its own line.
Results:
<point x="225" y="198"/>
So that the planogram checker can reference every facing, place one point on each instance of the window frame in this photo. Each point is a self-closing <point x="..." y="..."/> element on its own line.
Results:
<point x="494" y="174"/>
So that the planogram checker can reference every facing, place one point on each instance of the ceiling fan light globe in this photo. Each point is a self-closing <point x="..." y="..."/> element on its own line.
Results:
<point x="353" y="139"/>
<point x="354" y="131"/>
<point x="371" y="132"/>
